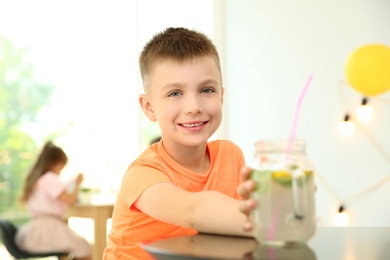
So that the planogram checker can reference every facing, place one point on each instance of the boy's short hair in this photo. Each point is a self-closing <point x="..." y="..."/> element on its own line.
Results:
<point x="176" y="44"/>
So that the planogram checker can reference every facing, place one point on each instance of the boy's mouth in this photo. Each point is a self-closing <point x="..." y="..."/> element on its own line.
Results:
<point x="193" y="125"/>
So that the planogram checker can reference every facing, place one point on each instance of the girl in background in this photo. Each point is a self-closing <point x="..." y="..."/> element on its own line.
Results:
<point x="47" y="198"/>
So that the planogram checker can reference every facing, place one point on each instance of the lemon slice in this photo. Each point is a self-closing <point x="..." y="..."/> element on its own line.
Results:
<point x="261" y="179"/>
<point x="284" y="178"/>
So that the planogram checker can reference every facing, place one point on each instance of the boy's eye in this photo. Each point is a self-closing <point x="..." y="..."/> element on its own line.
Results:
<point x="208" y="90"/>
<point x="173" y="94"/>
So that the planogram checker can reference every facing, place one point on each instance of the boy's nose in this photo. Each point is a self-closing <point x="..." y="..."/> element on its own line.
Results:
<point x="193" y="105"/>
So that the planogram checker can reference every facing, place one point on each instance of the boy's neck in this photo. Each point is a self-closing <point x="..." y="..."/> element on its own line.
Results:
<point x="195" y="159"/>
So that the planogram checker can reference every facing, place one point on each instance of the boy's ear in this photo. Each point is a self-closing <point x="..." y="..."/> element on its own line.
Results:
<point x="222" y="92"/>
<point x="147" y="107"/>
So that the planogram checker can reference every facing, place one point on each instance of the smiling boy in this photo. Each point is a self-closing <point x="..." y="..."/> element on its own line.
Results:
<point x="183" y="184"/>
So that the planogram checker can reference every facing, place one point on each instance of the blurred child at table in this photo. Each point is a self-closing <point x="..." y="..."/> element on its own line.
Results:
<point x="47" y="198"/>
<point x="182" y="184"/>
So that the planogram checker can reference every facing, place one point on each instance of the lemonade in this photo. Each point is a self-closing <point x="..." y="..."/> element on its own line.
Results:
<point x="285" y="211"/>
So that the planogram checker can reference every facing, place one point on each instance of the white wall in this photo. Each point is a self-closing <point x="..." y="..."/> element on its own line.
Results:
<point x="270" y="49"/>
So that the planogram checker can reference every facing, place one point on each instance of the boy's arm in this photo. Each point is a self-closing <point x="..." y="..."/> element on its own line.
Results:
<point x="206" y="211"/>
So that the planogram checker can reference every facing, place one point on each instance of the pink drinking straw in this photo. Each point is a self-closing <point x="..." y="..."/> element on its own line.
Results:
<point x="290" y="142"/>
<point x="296" y="115"/>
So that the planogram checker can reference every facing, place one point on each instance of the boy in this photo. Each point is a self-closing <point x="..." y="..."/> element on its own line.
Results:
<point x="183" y="184"/>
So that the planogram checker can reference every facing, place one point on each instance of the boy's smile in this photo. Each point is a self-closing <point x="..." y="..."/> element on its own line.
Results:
<point x="185" y="98"/>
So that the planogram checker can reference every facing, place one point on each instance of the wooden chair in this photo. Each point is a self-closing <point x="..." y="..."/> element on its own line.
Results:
<point x="9" y="231"/>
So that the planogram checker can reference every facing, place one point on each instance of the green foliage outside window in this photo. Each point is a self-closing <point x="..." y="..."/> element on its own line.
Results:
<point x="21" y="98"/>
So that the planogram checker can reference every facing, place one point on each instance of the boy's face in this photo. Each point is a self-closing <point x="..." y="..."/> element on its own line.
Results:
<point x="185" y="99"/>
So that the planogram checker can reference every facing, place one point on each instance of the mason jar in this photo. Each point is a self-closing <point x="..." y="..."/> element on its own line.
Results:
<point x="284" y="193"/>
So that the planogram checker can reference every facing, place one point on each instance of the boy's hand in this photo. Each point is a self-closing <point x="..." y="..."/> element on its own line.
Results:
<point x="244" y="189"/>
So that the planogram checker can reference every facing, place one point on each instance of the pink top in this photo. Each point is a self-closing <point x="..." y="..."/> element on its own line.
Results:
<point x="44" y="199"/>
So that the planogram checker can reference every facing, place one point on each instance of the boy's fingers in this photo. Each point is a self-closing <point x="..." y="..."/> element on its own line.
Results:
<point x="245" y="173"/>
<point x="248" y="225"/>
<point x="245" y="206"/>
<point x="245" y="188"/>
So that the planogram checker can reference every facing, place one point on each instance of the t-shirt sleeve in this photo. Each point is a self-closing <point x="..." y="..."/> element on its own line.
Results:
<point x="137" y="179"/>
<point x="241" y="163"/>
<point x="52" y="185"/>
<point x="227" y="164"/>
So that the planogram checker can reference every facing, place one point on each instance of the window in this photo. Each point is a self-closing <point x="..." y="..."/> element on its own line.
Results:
<point x="83" y="81"/>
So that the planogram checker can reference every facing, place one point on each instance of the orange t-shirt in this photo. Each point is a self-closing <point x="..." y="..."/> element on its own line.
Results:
<point x="131" y="226"/>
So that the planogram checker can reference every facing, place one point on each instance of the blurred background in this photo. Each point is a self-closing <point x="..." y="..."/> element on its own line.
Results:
<point x="69" y="73"/>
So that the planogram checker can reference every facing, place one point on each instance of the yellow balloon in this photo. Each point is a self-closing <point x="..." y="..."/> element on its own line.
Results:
<point x="368" y="69"/>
